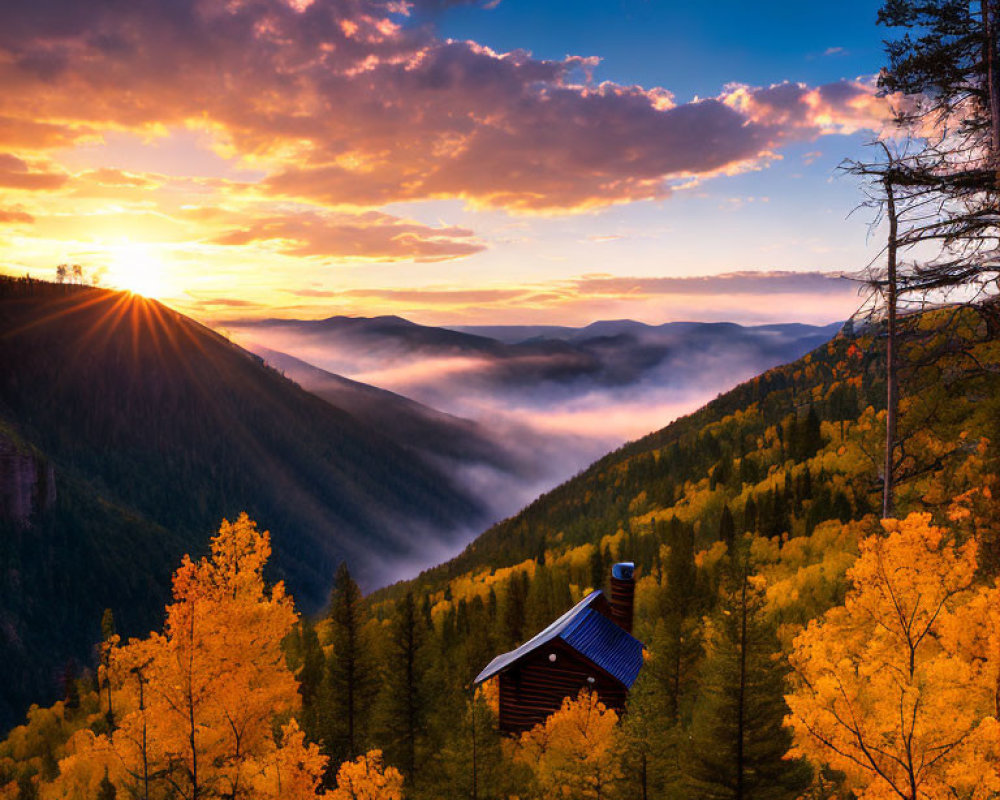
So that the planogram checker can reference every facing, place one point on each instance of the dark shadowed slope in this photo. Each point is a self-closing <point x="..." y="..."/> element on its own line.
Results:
<point x="413" y="425"/>
<point x="128" y="431"/>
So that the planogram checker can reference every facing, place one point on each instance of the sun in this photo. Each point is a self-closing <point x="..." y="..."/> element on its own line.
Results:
<point x="138" y="268"/>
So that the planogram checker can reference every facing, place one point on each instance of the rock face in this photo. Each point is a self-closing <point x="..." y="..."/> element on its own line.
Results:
<point x="27" y="483"/>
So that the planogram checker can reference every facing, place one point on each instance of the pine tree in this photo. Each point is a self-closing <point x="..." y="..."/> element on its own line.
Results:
<point x="739" y="743"/>
<point x="311" y="676"/>
<point x="597" y="568"/>
<point x="515" y="601"/>
<point x="109" y="640"/>
<point x="538" y="605"/>
<point x="351" y="675"/>
<point x="727" y="527"/>
<point x="675" y="640"/>
<point x="651" y="741"/>
<point x="750" y="516"/>
<point x="406" y="699"/>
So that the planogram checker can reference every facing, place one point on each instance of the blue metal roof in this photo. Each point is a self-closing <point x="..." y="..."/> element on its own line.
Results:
<point x="591" y="634"/>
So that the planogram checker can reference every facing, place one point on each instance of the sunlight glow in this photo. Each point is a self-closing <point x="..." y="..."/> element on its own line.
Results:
<point x="138" y="268"/>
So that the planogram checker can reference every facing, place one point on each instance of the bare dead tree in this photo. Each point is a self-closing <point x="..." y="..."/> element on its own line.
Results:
<point x="943" y="76"/>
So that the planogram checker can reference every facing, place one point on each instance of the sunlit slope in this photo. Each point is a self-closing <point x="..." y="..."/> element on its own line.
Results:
<point x="155" y="428"/>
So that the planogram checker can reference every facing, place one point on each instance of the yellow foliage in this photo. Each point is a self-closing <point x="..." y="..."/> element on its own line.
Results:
<point x="707" y="559"/>
<point x="197" y="701"/>
<point x="896" y="687"/>
<point x="573" y="754"/>
<point x="367" y="778"/>
<point x="292" y="771"/>
<point x="489" y="692"/>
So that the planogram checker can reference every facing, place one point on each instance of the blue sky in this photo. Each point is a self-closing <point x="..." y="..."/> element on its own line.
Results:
<point x="690" y="48"/>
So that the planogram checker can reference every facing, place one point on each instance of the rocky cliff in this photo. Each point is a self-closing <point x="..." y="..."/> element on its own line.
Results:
<point x="27" y="482"/>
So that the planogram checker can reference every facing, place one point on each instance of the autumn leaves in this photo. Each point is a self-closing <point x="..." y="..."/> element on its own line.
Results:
<point x="896" y="688"/>
<point x="205" y="708"/>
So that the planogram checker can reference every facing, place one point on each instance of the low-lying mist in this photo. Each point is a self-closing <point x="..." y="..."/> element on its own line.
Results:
<point x="508" y="416"/>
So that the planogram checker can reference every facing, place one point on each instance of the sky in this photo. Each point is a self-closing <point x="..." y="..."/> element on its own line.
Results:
<point x="515" y="162"/>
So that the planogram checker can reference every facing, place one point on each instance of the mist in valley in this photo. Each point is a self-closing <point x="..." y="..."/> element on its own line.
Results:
<point x="511" y="414"/>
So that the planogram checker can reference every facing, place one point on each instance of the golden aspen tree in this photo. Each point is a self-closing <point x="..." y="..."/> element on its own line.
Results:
<point x="574" y="753"/>
<point x="895" y="688"/>
<point x="196" y="702"/>
<point x="367" y="778"/>
<point x="291" y="771"/>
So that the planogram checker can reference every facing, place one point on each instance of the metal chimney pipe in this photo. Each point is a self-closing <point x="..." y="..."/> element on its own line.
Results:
<point x="623" y="594"/>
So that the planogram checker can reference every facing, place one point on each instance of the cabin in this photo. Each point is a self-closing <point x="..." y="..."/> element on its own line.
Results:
<point x="589" y="647"/>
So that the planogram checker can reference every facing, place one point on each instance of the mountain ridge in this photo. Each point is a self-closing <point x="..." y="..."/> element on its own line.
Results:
<point x="158" y="427"/>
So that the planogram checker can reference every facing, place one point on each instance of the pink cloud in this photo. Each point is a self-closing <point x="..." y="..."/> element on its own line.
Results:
<point x="349" y="105"/>
<point x="370" y="236"/>
<point x="15" y="173"/>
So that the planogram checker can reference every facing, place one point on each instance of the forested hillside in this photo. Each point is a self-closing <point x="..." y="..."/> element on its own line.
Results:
<point x="129" y="431"/>
<point x="751" y="522"/>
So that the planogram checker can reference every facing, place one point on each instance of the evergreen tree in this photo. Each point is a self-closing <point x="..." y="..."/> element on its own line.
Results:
<point x="406" y="699"/>
<point x="727" y="527"/>
<point x="351" y="675"/>
<point x="739" y="742"/>
<point x="538" y="606"/>
<point x="748" y="470"/>
<point x="108" y="641"/>
<point x="675" y="641"/>
<point x="311" y="676"/>
<point x="472" y="756"/>
<point x="515" y="601"/>
<point x="750" y="516"/>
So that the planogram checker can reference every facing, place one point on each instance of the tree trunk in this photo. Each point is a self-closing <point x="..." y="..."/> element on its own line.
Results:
<point x="475" y="764"/>
<point x="741" y="711"/>
<point x="988" y="11"/>
<point x="892" y="399"/>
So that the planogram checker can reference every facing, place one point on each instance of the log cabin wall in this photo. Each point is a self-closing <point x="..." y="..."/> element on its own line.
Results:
<point x="535" y="687"/>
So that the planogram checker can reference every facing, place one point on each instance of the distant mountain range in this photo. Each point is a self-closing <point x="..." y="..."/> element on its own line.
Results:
<point x="515" y="334"/>
<point x="551" y="378"/>
<point x="604" y="354"/>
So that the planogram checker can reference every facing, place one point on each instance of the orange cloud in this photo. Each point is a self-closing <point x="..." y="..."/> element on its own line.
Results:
<point x="747" y="297"/>
<point x="346" y="104"/>
<point x="370" y="236"/>
<point x="15" y="173"/>
<point x="14" y="216"/>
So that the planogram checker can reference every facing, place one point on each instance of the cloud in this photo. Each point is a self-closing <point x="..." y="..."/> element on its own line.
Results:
<point x="350" y="103"/>
<point x="29" y="134"/>
<point x="10" y="216"/>
<point x="732" y="283"/>
<point x="15" y="173"/>
<point x="745" y="297"/>
<point x="370" y="236"/>
<point x="106" y="176"/>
